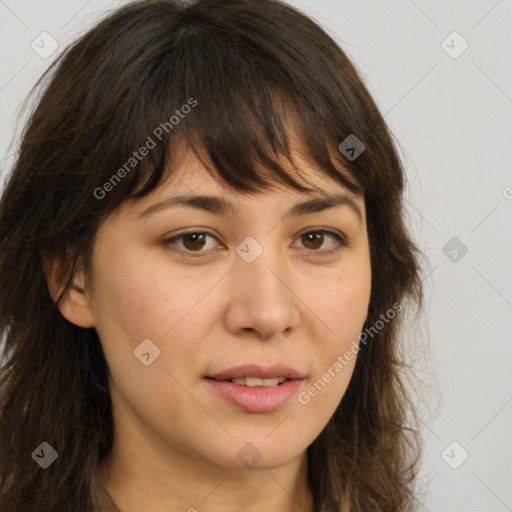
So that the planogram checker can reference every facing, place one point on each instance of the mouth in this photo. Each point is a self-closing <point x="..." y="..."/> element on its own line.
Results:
<point x="255" y="399"/>
<point x="253" y="382"/>
<point x="256" y="389"/>
<point x="253" y="375"/>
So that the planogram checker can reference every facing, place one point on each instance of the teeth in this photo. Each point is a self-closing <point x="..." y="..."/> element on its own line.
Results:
<point x="252" y="382"/>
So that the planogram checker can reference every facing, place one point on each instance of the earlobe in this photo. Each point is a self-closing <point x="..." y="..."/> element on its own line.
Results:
<point x="75" y="304"/>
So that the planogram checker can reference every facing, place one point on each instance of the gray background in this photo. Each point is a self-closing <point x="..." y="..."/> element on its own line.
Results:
<point x="452" y="115"/>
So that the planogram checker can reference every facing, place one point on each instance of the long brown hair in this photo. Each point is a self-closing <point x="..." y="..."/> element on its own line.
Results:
<point x="240" y="66"/>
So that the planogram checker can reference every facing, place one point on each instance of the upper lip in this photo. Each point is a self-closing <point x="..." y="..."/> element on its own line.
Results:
<point x="252" y="370"/>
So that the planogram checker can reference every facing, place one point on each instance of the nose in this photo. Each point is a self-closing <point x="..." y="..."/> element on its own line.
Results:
<point x="262" y="298"/>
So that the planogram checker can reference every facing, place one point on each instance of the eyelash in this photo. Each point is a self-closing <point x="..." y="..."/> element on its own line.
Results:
<point x="342" y="242"/>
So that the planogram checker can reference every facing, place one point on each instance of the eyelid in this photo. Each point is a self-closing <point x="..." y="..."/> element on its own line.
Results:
<point x="341" y="239"/>
<point x="168" y="240"/>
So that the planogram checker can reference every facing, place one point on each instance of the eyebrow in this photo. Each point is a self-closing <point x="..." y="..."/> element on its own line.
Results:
<point x="220" y="206"/>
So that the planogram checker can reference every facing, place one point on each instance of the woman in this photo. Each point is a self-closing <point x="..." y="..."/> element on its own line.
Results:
<point x="203" y="268"/>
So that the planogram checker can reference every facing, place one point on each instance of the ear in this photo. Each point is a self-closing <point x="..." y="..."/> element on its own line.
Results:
<point x="75" y="304"/>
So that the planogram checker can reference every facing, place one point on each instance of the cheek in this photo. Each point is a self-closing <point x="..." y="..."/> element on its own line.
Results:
<point x="135" y="300"/>
<point x="130" y="290"/>
<point x="136" y="303"/>
<point x="343" y="305"/>
<point x="342" y="310"/>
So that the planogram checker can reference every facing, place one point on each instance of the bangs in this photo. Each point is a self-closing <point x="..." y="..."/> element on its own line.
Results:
<point x="235" y="105"/>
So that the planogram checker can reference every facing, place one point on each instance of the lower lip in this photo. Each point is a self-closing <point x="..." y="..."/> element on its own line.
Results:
<point x="256" y="399"/>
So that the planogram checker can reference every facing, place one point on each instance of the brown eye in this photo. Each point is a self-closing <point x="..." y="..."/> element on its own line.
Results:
<point x="189" y="243"/>
<point x="193" y="241"/>
<point x="313" y="240"/>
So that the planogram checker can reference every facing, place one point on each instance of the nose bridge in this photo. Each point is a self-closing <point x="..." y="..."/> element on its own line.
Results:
<point x="263" y="298"/>
<point x="259" y="262"/>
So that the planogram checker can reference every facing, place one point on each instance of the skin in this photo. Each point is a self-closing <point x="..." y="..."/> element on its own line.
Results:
<point x="175" y="440"/>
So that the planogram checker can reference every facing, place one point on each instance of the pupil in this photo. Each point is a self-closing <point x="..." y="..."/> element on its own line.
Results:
<point x="195" y="237"/>
<point x="315" y="238"/>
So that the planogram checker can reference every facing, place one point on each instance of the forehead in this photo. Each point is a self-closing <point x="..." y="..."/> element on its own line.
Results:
<point x="194" y="187"/>
<point x="188" y="175"/>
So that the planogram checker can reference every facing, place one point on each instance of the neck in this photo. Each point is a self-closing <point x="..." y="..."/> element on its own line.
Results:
<point x="132" y="486"/>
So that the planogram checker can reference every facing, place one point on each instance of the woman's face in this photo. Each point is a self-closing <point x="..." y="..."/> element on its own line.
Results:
<point x="256" y="285"/>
